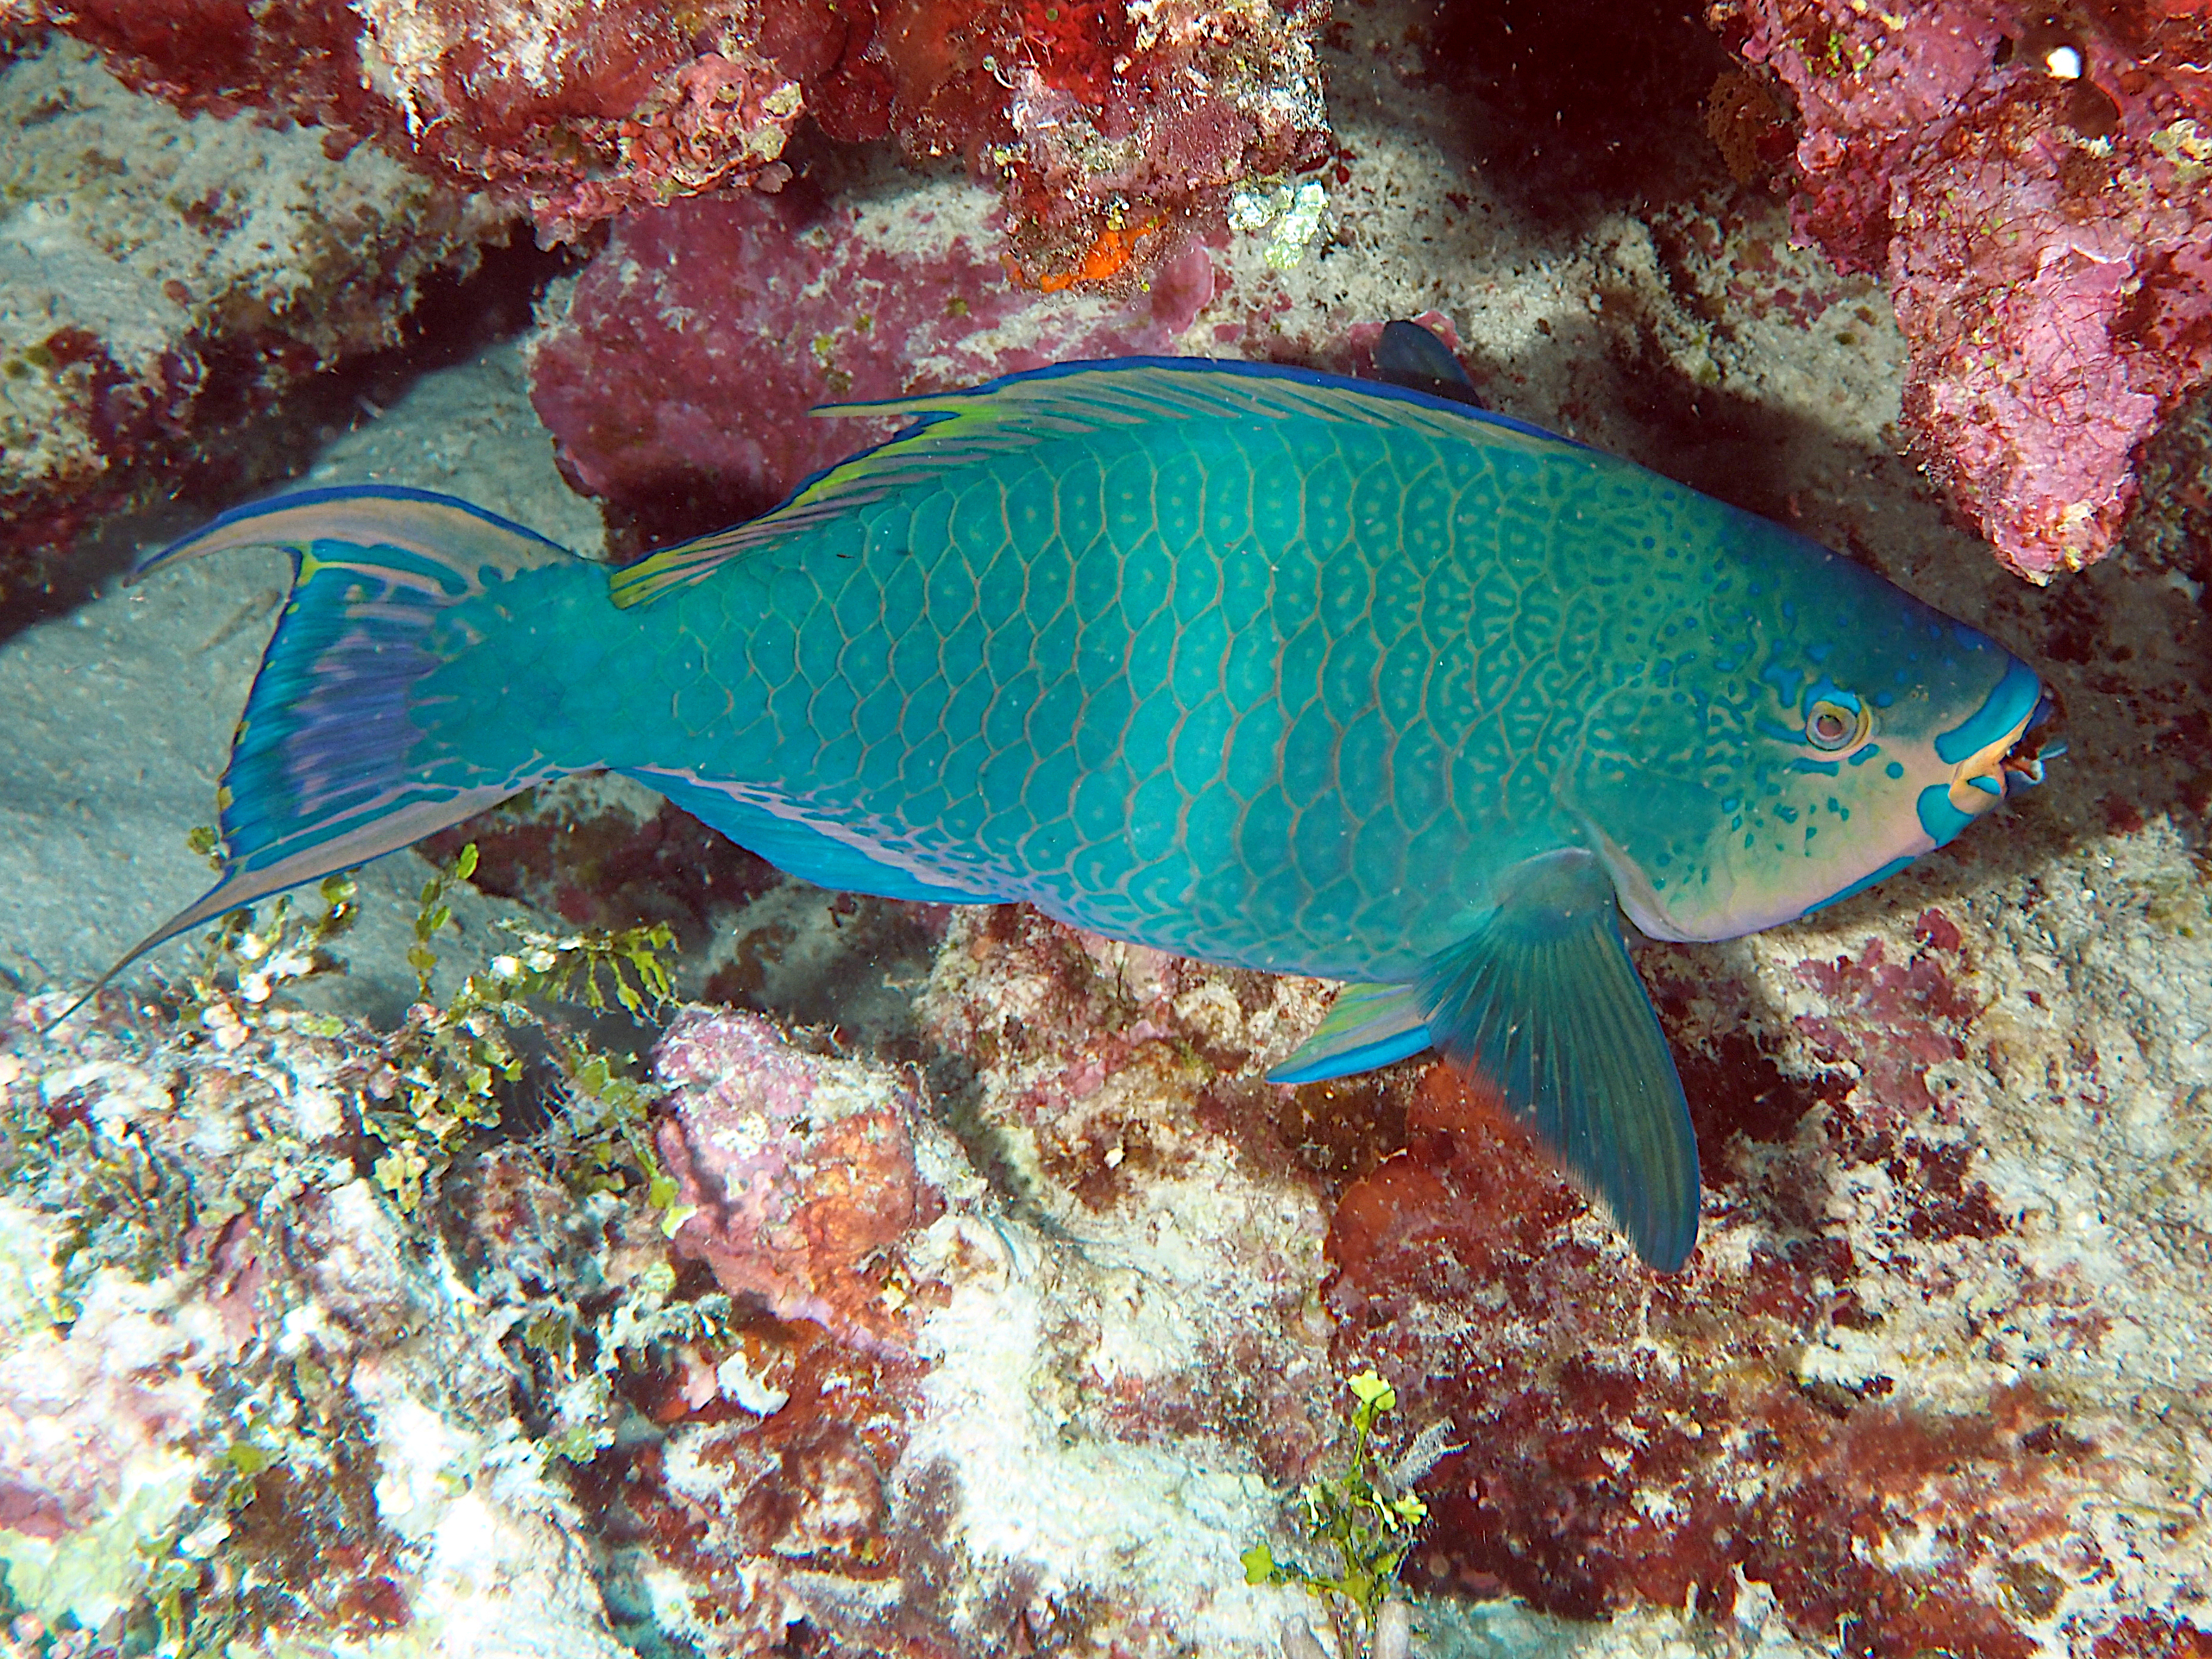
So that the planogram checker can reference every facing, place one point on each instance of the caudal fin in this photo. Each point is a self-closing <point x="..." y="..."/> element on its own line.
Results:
<point x="340" y="756"/>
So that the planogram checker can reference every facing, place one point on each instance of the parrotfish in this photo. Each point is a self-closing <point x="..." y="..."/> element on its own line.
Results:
<point x="1259" y="665"/>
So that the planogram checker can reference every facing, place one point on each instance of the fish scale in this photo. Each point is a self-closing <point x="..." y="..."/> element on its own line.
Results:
<point x="1265" y="667"/>
<point x="1281" y="859"/>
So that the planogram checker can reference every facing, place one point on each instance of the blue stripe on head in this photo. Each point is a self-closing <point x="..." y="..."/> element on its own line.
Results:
<point x="1862" y="884"/>
<point x="2016" y="697"/>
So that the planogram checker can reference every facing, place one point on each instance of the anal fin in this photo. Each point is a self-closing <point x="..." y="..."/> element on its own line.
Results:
<point x="797" y="848"/>
<point x="1543" y="1001"/>
<point x="1366" y="1026"/>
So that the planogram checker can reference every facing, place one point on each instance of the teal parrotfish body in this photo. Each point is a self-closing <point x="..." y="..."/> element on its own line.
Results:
<point x="1270" y="668"/>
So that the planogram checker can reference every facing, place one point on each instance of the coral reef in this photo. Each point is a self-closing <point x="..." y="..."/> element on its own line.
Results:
<point x="1102" y="124"/>
<point x="1100" y="121"/>
<point x="2031" y="185"/>
<point x="240" y="1400"/>
<point x="1028" y="1311"/>
<point x="160" y="277"/>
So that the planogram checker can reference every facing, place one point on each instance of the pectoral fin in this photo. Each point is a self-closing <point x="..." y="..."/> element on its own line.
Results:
<point x="1543" y="1001"/>
<point x="1367" y="1026"/>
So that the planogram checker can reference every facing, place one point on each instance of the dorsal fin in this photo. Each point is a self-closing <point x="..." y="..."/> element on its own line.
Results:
<point x="960" y="429"/>
<point x="1410" y="353"/>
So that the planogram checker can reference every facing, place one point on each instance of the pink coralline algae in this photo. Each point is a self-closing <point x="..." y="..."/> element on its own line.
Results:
<point x="2033" y="184"/>
<point x="794" y="1173"/>
<point x="1095" y="119"/>
<point x="677" y="385"/>
<point x="1631" y="1439"/>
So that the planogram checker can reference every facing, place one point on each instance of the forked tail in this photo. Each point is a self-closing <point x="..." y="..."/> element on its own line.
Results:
<point x="399" y="693"/>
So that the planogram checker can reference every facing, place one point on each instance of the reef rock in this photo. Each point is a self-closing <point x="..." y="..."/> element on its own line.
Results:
<point x="571" y="111"/>
<point x="678" y="380"/>
<point x="836" y="1378"/>
<point x="1098" y="121"/>
<point x="795" y="1174"/>
<point x="159" y="275"/>
<point x="2032" y="186"/>
<point x="242" y="1404"/>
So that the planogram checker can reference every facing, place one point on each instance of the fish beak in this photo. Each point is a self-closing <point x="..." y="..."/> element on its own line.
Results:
<point x="1979" y="782"/>
<point x="2023" y="761"/>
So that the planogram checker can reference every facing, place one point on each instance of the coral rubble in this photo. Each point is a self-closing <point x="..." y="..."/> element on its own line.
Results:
<point x="239" y="1399"/>
<point x="159" y="275"/>
<point x="2031" y="184"/>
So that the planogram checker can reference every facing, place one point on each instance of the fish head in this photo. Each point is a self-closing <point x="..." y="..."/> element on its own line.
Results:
<point x="1810" y="761"/>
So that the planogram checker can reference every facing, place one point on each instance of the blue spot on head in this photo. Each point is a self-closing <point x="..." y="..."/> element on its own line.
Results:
<point x="1882" y="700"/>
<point x="1833" y="768"/>
<point x="1864" y="753"/>
<point x="1818" y="652"/>
<point x="1894" y="769"/>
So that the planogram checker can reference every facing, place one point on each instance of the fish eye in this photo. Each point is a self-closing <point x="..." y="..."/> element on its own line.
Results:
<point x="1839" y="722"/>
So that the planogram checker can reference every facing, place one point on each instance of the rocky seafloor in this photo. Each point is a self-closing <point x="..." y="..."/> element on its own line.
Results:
<point x="940" y="1282"/>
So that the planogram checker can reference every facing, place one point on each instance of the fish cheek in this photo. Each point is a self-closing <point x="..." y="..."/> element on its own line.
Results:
<point x="1658" y="835"/>
<point x="1697" y="861"/>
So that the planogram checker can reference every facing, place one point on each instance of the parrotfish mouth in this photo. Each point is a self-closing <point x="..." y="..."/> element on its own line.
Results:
<point x="1980" y="780"/>
<point x="2039" y="741"/>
